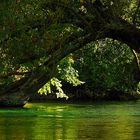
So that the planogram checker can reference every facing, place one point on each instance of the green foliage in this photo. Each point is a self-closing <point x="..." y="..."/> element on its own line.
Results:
<point x="109" y="65"/>
<point x="67" y="72"/>
<point x="54" y="85"/>
<point x="33" y="31"/>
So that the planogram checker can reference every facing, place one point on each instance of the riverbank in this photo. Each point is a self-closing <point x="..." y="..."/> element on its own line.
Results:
<point x="86" y="95"/>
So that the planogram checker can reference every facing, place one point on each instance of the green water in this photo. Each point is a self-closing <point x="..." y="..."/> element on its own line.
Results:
<point x="53" y="121"/>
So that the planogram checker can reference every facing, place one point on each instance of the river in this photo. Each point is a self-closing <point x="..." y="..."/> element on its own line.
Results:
<point x="62" y="121"/>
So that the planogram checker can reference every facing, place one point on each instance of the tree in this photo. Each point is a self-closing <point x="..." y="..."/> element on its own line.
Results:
<point x="36" y="35"/>
<point x="107" y="67"/>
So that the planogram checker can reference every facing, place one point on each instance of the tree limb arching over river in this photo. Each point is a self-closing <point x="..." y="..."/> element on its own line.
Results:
<point x="36" y="35"/>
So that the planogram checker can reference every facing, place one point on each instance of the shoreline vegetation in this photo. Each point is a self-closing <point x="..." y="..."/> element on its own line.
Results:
<point x="75" y="94"/>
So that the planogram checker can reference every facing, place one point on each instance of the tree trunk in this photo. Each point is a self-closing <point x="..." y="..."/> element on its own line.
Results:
<point x="16" y="99"/>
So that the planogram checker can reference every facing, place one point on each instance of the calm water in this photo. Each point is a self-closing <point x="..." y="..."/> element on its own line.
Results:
<point x="53" y="121"/>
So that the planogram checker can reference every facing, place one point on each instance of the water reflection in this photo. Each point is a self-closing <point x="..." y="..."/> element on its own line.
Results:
<point x="71" y="122"/>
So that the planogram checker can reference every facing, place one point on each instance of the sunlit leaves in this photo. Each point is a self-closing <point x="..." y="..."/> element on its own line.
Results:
<point x="54" y="85"/>
<point x="67" y="71"/>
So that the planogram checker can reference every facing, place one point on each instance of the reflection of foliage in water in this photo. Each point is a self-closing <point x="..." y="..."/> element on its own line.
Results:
<point x="118" y="120"/>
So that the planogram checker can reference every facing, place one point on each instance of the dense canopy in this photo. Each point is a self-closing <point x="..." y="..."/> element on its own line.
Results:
<point x="35" y="35"/>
